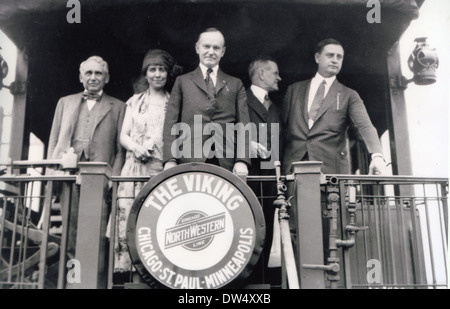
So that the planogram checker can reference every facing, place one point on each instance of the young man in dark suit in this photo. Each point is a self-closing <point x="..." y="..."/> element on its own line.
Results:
<point x="317" y="113"/>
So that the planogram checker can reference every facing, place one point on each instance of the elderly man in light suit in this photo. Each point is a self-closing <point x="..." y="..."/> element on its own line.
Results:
<point x="209" y="95"/>
<point x="90" y="123"/>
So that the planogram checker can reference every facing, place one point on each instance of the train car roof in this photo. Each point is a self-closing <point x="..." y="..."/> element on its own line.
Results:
<point x="121" y="31"/>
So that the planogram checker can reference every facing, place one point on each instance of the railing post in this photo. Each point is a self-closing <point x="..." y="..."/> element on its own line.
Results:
<point x="308" y="223"/>
<point x="92" y="221"/>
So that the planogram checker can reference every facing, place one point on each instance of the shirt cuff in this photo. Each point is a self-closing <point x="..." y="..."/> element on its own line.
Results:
<point x="377" y="154"/>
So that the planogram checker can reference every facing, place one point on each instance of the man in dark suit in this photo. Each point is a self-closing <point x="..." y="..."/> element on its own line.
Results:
<point x="317" y="114"/>
<point x="207" y="99"/>
<point x="265" y="144"/>
<point x="90" y="123"/>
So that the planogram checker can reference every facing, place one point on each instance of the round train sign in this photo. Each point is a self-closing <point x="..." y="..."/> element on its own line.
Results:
<point x="195" y="226"/>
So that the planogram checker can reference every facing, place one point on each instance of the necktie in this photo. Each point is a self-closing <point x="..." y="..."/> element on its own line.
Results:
<point x="91" y="96"/>
<point x="211" y="91"/>
<point x="267" y="102"/>
<point x="317" y="102"/>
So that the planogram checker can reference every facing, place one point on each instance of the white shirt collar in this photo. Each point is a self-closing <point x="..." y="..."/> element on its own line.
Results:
<point x="259" y="92"/>
<point x="91" y="103"/>
<point x="319" y="78"/>
<point x="99" y="93"/>
<point x="315" y="83"/>
<point x="213" y="73"/>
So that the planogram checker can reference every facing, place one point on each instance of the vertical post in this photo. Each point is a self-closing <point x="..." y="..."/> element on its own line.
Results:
<point x="66" y="197"/>
<point x="92" y="221"/>
<point x="398" y="120"/>
<point x="1" y="126"/>
<point x="351" y="209"/>
<point x="443" y="197"/>
<point x="18" y="112"/>
<point x="45" y="230"/>
<point x="112" y="235"/>
<point x="308" y="223"/>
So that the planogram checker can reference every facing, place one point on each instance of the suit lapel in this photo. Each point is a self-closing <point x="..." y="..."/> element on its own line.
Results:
<point x="104" y="108"/>
<point x="256" y="105"/>
<point x="75" y="111"/>
<point x="197" y="78"/>
<point x="330" y="99"/>
<point x="303" y="101"/>
<point x="221" y="80"/>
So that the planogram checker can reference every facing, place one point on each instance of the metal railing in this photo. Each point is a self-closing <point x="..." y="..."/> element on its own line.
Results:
<point x="394" y="231"/>
<point x="351" y="231"/>
<point x="33" y="231"/>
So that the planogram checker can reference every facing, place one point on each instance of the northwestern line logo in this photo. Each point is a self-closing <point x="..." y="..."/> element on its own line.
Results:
<point x="194" y="230"/>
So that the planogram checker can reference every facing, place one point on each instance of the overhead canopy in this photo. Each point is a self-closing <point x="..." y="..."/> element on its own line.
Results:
<point x="121" y="31"/>
<point x="12" y="7"/>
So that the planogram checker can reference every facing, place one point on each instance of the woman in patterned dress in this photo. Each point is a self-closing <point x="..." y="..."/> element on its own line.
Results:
<point x="141" y="136"/>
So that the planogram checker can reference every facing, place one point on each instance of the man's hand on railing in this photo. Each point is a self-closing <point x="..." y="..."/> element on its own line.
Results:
<point x="67" y="163"/>
<point x="377" y="165"/>
<point x="240" y="169"/>
<point x="69" y="159"/>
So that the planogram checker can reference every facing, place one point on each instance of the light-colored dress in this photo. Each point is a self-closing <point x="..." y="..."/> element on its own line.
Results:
<point x="146" y="129"/>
